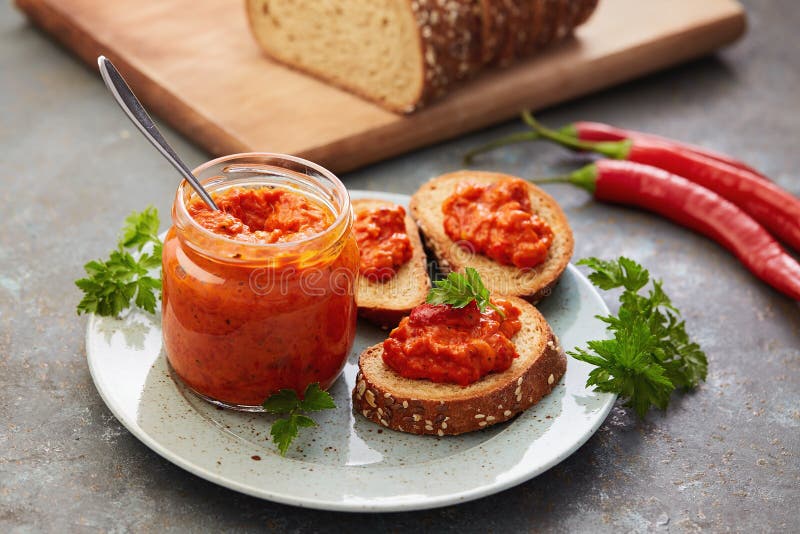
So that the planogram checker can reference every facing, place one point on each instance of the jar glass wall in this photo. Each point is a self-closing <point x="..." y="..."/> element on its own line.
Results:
<point x="243" y="320"/>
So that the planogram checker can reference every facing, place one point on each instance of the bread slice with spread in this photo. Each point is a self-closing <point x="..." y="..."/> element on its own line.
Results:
<point x="529" y="283"/>
<point x="420" y="406"/>
<point x="386" y="302"/>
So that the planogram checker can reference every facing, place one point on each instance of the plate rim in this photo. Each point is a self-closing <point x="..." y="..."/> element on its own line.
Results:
<point x="428" y="502"/>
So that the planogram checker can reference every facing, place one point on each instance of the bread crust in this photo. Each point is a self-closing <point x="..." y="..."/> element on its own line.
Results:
<point x="493" y="25"/>
<point x="422" y="407"/>
<point x="523" y="30"/>
<point x="563" y="20"/>
<point x="585" y="11"/>
<point x="513" y="11"/>
<point x="538" y="22"/>
<point x="449" y="37"/>
<point x="531" y="284"/>
<point x="379" y="302"/>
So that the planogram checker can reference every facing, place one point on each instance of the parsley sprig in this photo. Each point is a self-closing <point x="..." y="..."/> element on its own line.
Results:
<point x="125" y="277"/>
<point x="650" y="354"/>
<point x="458" y="290"/>
<point x="284" y="430"/>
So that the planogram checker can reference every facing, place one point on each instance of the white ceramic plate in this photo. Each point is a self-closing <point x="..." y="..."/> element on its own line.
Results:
<point x="348" y="463"/>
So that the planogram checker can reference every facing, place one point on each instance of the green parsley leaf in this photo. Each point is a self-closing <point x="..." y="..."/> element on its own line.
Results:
<point x="284" y="401"/>
<point x="612" y="274"/>
<point x="152" y="260"/>
<point x="624" y="367"/>
<point x="112" y="285"/>
<point x="458" y="290"/>
<point x="140" y="228"/>
<point x="283" y="431"/>
<point x="304" y="421"/>
<point x="651" y="354"/>
<point x="145" y="293"/>
<point x="315" y="399"/>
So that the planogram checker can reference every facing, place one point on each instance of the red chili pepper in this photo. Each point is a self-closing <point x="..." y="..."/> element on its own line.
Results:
<point x="598" y="131"/>
<point x="776" y="209"/>
<point x="694" y="207"/>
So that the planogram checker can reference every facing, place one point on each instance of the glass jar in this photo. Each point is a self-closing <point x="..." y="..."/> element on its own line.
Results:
<point x="243" y="320"/>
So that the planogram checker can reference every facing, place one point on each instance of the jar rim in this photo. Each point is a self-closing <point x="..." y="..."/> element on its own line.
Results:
<point x="338" y="186"/>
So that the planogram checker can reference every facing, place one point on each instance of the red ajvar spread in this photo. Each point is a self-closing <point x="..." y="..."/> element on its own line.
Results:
<point x="237" y="331"/>
<point x="454" y="345"/>
<point x="263" y="215"/>
<point x="383" y="242"/>
<point x="497" y="220"/>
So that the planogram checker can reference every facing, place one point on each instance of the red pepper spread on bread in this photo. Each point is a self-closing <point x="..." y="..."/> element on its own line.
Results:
<point x="497" y="220"/>
<point x="454" y="345"/>
<point x="263" y="215"/>
<point x="383" y="242"/>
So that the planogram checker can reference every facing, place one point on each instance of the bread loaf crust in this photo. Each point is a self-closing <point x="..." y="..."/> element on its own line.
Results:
<point x="450" y="42"/>
<point x="493" y="24"/>
<point x="513" y="15"/>
<point x="538" y="21"/>
<point x="584" y="11"/>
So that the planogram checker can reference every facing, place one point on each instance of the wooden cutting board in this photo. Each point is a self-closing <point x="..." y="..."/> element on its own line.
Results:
<point x="195" y="65"/>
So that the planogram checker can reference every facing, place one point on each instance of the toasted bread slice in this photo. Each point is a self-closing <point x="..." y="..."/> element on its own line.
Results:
<point x="424" y="407"/>
<point x="531" y="284"/>
<point x="385" y="303"/>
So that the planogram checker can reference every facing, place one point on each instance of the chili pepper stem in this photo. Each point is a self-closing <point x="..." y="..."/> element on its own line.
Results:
<point x="569" y="130"/>
<point x="514" y="138"/>
<point x="519" y="137"/>
<point x="561" y="179"/>
<point x="610" y="149"/>
<point x="585" y="178"/>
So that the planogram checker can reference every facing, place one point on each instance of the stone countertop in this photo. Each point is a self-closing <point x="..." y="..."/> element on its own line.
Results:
<point x="723" y="458"/>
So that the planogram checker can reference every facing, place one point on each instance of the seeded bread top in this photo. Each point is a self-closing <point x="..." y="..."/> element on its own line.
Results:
<point x="513" y="10"/>
<point x="493" y="24"/>
<point x="450" y="40"/>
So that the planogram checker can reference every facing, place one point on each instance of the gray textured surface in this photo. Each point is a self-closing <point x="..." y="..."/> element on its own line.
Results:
<point x="723" y="458"/>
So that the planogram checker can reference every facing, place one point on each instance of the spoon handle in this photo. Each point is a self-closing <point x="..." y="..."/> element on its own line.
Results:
<point x="137" y="114"/>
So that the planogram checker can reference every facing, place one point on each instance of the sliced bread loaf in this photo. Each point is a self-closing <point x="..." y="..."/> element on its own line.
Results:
<point x="405" y="53"/>
<point x="385" y="303"/>
<point x="400" y="53"/>
<point x="531" y="284"/>
<point x="424" y="407"/>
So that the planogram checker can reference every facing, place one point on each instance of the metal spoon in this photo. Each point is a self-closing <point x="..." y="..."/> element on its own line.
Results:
<point x="138" y="116"/>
